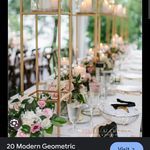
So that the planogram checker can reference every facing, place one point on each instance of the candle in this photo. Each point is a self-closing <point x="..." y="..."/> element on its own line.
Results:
<point x="91" y="52"/>
<point x="124" y="11"/>
<point x="86" y="6"/>
<point x="101" y="45"/>
<point x="103" y="57"/>
<point x="64" y="61"/>
<point x="89" y="5"/>
<point x="79" y="70"/>
<point x="105" y="6"/>
<point x="83" y="7"/>
<point x="119" y="10"/>
<point x="54" y="4"/>
<point x="106" y="47"/>
<point x="110" y="9"/>
<point x="40" y="5"/>
<point x="45" y="4"/>
<point x="120" y="40"/>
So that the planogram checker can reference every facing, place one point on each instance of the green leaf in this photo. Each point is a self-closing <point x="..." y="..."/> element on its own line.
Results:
<point x="25" y="101"/>
<point x="25" y="128"/>
<point x="50" y="105"/>
<point x="42" y="117"/>
<point x="37" y="134"/>
<point x="58" y="121"/>
<point x="34" y="104"/>
<point x="15" y="100"/>
<point x="49" y="130"/>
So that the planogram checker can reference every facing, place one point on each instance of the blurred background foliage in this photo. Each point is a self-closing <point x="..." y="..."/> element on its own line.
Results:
<point x="134" y="10"/>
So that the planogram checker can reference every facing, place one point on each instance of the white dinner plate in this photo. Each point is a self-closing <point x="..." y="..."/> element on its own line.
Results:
<point x="128" y="88"/>
<point x="136" y="67"/>
<point x="132" y="76"/>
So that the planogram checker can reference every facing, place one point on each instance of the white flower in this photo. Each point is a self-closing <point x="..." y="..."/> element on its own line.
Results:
<point x="23" y="106"/>
<point x="23" y="98"/>
<point x="15" y="106"/>
<point x="39" y="111"/>
<point x="46" y="123"/>
<point x="30" y="118"/>
<point x="31" y="100"/>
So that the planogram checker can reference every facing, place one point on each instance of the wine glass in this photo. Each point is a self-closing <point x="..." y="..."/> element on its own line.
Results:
<point x="93" y="98"/>
<point x="73" y="113"/>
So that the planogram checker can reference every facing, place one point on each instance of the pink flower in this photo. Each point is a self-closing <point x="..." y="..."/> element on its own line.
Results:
<point x="87" y="77"/>
<point x="35" y="128"/>
<point x="90" y="69"/>
<point x="41" y="103"/>
<point x="47" y="112"/>
<point x="22" y="134"/>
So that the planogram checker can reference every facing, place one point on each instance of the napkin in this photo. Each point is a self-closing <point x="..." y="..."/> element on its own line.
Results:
<point x="123" y="104"/>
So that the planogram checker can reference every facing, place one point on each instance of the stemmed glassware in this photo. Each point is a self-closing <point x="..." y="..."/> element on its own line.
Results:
<point x="73" y="113"/>
<point x="93" y="98"/>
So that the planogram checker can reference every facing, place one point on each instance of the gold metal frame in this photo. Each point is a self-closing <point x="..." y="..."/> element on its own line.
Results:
<point x="97" y="38"/>
<point x="59" y="13"/>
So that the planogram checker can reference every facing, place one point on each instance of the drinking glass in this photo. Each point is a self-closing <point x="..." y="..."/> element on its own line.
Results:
<point x="73" y="113"/>
<point x="93" y="98"/>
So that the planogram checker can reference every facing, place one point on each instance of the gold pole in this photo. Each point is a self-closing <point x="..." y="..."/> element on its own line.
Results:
<point x="21" y="49"/>
<point x="36" y="43"/>
<point x="70" y="47"/>
<point x="98" y="11"/>
<point x="96" y="30"/>
<point x="113" y="21"/>
<point x="121" y="27"/>
<point x="124" y="26"/>
<point x="77" y="48"/>
<point x="107" y="29"/>
<point x="98" y="24"/>
<point x="115" y="25"/>
<point x="127" y="30"/>
<point x="59" y="47"/>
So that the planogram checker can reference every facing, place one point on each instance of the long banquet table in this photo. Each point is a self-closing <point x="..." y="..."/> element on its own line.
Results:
<point x="133" y="60"/>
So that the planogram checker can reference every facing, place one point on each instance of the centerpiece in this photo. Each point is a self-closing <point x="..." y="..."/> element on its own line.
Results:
<point x="33" y="117"/>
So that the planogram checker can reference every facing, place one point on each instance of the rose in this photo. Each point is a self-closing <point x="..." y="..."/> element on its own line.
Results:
<point x="41" y="103"/>
<point x="87" y="76"/>
<point x="15" y="106"/>
<point x="22" y="134"/>
<point x="90" y="69"/>
<point x="47" y="112"/>
<point x="29" y="117"/>
<point x="39" y="111"/>
<point x="46" y="123"/>
<point x="35" y="128"/>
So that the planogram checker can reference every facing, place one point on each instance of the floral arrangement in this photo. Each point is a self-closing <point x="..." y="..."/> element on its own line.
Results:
<point x="89" y="65"/>
<point x="35" y="116"/>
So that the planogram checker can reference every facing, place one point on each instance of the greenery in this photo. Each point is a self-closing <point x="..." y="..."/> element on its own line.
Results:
<point x="30" y="105"/>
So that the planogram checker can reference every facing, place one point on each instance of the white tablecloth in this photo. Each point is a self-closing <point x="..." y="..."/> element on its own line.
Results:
<point x="133" y="59"/>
